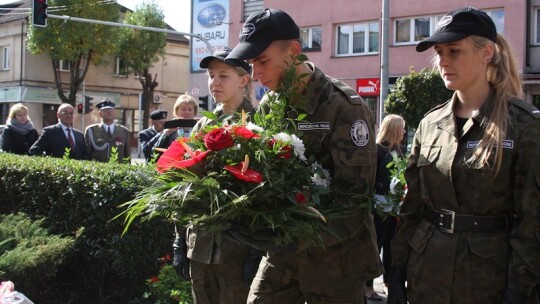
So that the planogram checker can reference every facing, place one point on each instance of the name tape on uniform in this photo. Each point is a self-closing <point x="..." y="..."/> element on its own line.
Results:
<point x="507" y="144"/>
<point x="306" y="126"/>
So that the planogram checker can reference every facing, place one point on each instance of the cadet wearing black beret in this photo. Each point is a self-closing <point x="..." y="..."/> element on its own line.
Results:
<point x="158" y="114"/>
<point x="149" y="137"/>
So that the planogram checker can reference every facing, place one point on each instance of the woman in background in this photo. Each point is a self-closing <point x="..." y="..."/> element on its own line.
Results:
<point x="389" y="140"/>
<point x="185" y="107"/>
<point x="19" y="134"/>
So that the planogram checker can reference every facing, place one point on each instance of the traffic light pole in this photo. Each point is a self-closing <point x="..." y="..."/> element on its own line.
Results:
<point x="139" y="27"/>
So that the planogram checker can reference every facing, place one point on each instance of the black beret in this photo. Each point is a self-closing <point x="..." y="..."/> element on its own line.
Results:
<point x="158" y="114"/>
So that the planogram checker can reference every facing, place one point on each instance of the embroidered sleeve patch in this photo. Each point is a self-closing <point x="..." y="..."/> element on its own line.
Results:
<point x="360" y="133"/>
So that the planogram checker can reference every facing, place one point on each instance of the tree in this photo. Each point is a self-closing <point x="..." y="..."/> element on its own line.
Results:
<point x="140" y="49"/>
<point x="415" y="94"/>
<point x="77" y="44"/>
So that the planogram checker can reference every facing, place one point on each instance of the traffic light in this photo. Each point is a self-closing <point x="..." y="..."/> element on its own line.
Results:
<point x="87" y="104"/>
<point x="80" y="108"/>
<point x="39" y="13"/>
<point x="204" y="103"/>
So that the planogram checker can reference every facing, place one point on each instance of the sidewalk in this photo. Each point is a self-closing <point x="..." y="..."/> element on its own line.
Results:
<point x="135" y="157"/>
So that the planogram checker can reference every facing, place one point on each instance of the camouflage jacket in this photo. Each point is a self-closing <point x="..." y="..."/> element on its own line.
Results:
<point x="471" y="267"/>
<point x="210" y="248"/>
<point x="338" y="132"/>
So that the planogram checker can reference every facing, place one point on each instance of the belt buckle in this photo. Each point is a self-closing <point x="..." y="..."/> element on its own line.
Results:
<point x="443" y="213"/>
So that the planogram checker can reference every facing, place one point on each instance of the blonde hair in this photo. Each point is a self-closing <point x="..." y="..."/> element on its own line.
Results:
<point x="16" y="108"/>
<point x="389" y="134"/>
<point x="185" y="99"/>
<point x="503" y="76"/>
<point x="249" y="86"/>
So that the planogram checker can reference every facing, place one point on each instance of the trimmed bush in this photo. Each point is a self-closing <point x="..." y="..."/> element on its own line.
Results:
<point x="78" y="199"/>
<point x="28" y="253"/>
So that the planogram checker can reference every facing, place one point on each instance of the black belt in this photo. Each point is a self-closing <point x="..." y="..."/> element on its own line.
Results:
<point x="448" y="221"/>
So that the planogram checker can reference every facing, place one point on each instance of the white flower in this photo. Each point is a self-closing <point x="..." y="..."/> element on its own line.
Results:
<point x="253" y="127"/>
<point x="395" y="182"/>
<point x="299" y="148"/>
<point x="319" y="180"/>
<point x="283" y="137"/>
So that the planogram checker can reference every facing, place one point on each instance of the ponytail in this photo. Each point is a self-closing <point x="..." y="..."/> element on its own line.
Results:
<point x="503" y="76"/>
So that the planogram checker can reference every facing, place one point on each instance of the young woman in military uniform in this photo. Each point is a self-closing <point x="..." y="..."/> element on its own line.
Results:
<point x="470" y="221"/>
<point x="221" y="270"/>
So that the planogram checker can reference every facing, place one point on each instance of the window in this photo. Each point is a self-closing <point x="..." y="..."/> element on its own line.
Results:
<point x="64" y="65"/>
<point x="252" y="6"/>
<point x="413" y="30"/>
<point x="537" y="28"/>
<point x="358" y="39"/>
<point x="120" y="68"/>
<point x="416" y="29"/>
<point x="372" y="105"/>
<point x="498" y="18"/>
<point x="5" y="58"/>
<point x="311" y="38"/>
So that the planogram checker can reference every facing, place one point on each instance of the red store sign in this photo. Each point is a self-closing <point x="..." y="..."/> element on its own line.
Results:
<point x="368" y="86"/>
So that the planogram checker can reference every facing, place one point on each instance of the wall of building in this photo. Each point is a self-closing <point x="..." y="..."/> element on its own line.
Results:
<point x="36" y="88"/>
<point x="329" y="14"/>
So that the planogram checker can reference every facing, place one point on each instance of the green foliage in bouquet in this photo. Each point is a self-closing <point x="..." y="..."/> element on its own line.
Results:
<point x="253" y="175"/>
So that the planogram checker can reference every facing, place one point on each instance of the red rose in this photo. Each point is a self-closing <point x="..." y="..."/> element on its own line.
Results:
<point x="154" y="279"/>
<point x="218" y="139"/>
<point x="300" y="198"/>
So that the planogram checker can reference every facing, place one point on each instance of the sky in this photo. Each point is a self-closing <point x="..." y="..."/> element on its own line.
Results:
<point x="177" y="12"/>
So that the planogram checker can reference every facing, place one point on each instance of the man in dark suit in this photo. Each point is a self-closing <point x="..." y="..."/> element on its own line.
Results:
<point x="149" y="137"/>
<point x="108" y="138"/>
<point x="57" y="139"/>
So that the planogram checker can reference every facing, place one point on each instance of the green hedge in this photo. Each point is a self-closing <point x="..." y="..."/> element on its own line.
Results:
<point x="78" y="199"/>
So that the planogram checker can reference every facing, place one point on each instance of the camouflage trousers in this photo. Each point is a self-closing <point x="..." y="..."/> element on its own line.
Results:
<point x="218" y="284"/>
<point x="335" y="274"/>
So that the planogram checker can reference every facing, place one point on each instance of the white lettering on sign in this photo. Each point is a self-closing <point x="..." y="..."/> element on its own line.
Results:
<point x="366" y="90"/>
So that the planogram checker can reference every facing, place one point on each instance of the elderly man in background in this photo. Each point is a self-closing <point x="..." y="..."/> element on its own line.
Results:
<point x="58" y="139"/>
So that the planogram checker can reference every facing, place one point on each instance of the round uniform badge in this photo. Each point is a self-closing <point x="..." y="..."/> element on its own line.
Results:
<point x="360" y="133"/>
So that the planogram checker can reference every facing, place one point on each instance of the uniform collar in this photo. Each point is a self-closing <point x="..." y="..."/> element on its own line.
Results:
<point x="312" y="91"/>
<point x="445" y="119"/>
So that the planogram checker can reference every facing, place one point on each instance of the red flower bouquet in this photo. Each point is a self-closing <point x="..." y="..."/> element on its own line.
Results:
<point x="232" y="172"/>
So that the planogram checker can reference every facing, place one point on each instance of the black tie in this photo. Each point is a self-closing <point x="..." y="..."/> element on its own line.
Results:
<point x="109" y="131"/>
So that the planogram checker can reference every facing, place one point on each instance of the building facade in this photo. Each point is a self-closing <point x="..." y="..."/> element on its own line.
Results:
<point x="29" y="78"/>
<point x="343" y="37"/>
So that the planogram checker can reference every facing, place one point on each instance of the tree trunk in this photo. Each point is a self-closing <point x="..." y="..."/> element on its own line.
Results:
<point x="148" y="85"/>
<point x="76" y="77"/>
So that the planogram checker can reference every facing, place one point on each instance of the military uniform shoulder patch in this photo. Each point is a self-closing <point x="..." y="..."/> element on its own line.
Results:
<point x="360" y="133"/>
<point x="525" y="106"/>
<point x="352" y="96"/>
